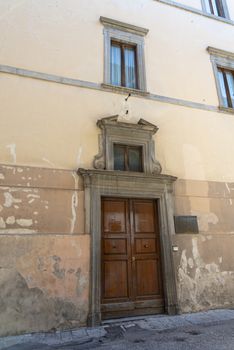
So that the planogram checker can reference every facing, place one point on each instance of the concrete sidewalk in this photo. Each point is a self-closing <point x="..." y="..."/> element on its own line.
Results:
<point x="87" y="336"/>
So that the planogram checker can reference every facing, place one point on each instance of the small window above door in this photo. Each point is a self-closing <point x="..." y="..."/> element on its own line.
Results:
<point x="128" y="158"/>
<point x="127" y="147"/>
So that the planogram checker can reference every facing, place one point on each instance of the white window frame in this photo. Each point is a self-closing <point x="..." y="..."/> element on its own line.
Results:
<point x="129" y="34"/>
<point x="225" y="8"/>
<point x="222" y="59"/>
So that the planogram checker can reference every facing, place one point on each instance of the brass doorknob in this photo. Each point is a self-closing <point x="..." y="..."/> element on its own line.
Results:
<point x="133" y="258"/>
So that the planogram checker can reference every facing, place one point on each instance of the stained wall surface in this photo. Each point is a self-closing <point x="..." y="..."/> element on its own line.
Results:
<point x="44" y="251"/>
<point x="48" y="130"/>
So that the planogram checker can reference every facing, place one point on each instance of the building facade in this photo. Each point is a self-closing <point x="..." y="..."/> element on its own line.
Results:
<point x="117" y="168"/>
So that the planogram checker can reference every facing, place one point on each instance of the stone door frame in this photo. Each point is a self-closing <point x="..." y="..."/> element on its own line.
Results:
<point x="104" y="183"/>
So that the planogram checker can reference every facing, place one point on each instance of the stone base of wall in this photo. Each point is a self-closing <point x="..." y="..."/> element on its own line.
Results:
<point x="44" y="283"/>
<point x="44" y="251"/>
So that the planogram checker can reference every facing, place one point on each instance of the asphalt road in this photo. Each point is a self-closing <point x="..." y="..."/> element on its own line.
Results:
<point x="218" y="336"/>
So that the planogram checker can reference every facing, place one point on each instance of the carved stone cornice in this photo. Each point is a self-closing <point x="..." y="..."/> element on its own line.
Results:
<point x="159" y="178"/>
<point x="123" y="26"/>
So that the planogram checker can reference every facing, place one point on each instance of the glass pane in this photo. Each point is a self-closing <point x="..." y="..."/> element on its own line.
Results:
<point x="230" y="80"/>
<point x="207" y="6"/>
<point x="134" y="158"/>
<point x="119" y="152"/>
<point x="215" y="7"/>
<point x="211" y="7"/>
<point x="223" y="90"/>
<point x="115" y="65"/>
<point x="130" y="68"/>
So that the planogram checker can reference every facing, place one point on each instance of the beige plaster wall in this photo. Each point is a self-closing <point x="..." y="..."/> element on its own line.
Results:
<point x="52" y="35"/>
<point x="47" y="124"/>
<point x="44" y="256"/>
<point x="211" y="202"/>
<point x="53" y="125"/>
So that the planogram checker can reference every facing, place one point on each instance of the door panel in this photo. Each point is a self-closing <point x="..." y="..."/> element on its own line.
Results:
<point x="114" y="216"/>
<point x="115" y="246"/>
<point x="148" y="285"/>
<point x="116" y="275"/>
<point x="143" y="216"/>
<point x="131" y="272"/>
<point x="144" y="245"/>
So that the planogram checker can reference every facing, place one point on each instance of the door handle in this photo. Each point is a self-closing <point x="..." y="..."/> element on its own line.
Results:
<point x="133" y="258"/>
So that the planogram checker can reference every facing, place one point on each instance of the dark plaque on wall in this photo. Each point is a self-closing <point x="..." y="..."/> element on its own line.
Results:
<point x="186" y="224"/>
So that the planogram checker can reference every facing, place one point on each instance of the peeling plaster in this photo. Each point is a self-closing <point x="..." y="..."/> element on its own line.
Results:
<point x="205" y="219"/>
<point x="81" y="282"/>
<point x="29" y="309"/>
<point x="227" y="187"/>
<point x="24" y="222"/>
<point x="78" y="158"/>
<point x="58" y="271"/>
<point x="75" y="177"/>
<point x="12" y="148"/>
<point x="202" y="285"/>
<point x="33" y="196"/>
<point x="10" y="220"/>
<point x="48" y="161"/>
<point x="17" y="230"/>
<point x="2" y="223"/>
<point x="74" y="204"/>
<point x="9" y="200"/>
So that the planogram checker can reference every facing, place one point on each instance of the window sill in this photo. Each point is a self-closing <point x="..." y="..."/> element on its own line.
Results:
<point x="226" y="110"/>
<point x="124" y="90"/>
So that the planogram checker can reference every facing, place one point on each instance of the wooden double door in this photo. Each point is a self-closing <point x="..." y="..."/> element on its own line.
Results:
<point x="131" y="268"/>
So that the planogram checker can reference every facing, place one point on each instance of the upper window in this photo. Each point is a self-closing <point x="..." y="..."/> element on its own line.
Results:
<point x="223" y="66"/>
<point x="124" y="63"/>
<point x="226" y="81"/>
<point x="216" y="7"/>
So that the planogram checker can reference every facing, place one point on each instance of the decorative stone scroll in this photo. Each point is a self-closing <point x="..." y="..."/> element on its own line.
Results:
<point x="139" y="134"/>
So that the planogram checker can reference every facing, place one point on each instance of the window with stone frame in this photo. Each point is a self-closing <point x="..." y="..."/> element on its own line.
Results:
<point x="226" y="81"/>
<point x="223" y="67"/>
<point x="216" y="7"/>
<point x="124" y="62"/>
<point x="127" y="147"/>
